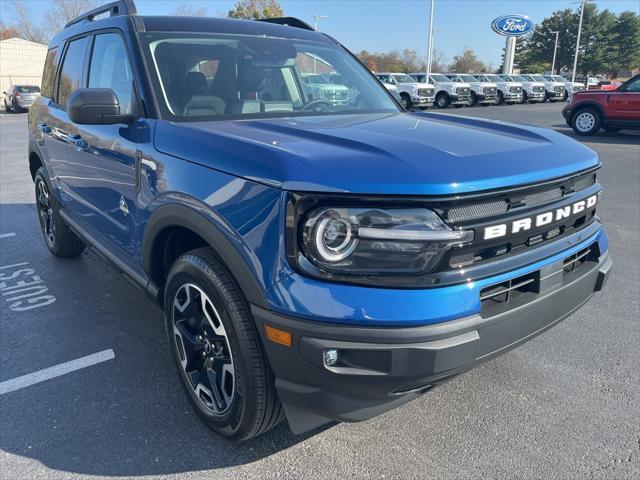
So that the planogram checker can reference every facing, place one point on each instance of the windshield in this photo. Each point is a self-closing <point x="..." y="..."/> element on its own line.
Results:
<point x="403" y="78"/>
<point x="439" y="78"/>
<point x="492" y="78"/>
<point x="467" y="78"/>
<point x="28" y="89"/>
<point x="559" y="78"/>
<point x="518" y="78"/>
<point x="202" y="76"/>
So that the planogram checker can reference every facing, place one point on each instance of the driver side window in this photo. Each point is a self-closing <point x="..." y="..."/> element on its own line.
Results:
<point x="633" y="86"/>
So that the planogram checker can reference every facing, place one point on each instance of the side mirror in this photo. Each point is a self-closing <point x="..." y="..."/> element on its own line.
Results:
<point x="96" y="106"/>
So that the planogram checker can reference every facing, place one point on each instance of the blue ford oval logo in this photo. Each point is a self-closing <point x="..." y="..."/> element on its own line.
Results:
<point x="512" y="25"/>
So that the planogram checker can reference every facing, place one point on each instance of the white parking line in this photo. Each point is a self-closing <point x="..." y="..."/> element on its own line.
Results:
<point x="7" y="235"/>
<point x="55" y="371"/>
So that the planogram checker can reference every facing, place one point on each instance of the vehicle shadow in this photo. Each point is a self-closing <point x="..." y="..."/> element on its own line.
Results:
<point x="625" y="137"/>
<point x="125" y="417"/>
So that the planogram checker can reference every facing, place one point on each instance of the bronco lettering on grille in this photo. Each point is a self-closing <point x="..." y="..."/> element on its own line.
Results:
<point x="540" y="220"/>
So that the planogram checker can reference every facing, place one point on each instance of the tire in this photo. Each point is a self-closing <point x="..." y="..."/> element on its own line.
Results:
<point x="499" y="98"/>
<point x="58" y="237"/>
<point x="14" y="107"/>
<point x="442" y="100"/>
<point x="586" y="121"/>
<point x="524" y="98"/>
<point x="217" y="349"/>
<point x="473" y="99"/>
<point x="405" y="101"/>
<point x="566" y="95"/>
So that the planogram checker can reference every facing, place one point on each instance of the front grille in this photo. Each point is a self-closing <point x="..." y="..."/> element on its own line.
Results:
<point x="515" y="89"/>
<point x="526" y="203"/>
<point x="578" y="89"/>
<point x="538" y="89"/>
<point x="516" y="292"/>
<point x="425" y="92"/>
<point x="489" y="90"/>
<point x="462" y="90"/>
<point x="558" y="88"/>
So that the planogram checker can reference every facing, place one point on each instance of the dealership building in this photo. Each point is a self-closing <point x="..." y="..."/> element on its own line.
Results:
<point x="21" y="62"/>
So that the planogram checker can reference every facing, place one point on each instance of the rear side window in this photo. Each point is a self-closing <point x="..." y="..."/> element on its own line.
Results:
<point x="49" y="73"/>
<point x="110" y="69"/>
<point x="72" y="68"/>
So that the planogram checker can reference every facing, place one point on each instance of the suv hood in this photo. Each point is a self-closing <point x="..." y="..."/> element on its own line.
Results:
<point x="408" y="85"/>
<point x="384" y="154"/>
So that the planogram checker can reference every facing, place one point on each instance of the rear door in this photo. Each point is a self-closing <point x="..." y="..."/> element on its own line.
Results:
<point x="104" y="157"/>
<point x="53" y="125"/>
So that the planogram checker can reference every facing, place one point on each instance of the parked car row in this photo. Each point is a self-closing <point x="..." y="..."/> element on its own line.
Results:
<point x="463" y="89"/>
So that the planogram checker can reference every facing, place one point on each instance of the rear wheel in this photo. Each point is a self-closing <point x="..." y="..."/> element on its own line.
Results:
<point x="217" y="349"/>
<point x="586" y="122"/>
<point x="60" y="240"/>
<point x="442" y="100"/>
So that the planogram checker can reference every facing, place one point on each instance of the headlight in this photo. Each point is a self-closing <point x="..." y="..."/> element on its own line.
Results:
<point x="376" y="241"/>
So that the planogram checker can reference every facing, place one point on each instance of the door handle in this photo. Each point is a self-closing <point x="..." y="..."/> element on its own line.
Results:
<point x="78" y="142"/>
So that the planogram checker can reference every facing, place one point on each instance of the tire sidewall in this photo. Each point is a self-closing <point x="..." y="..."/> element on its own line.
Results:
<point x="43" y="176"/>
<point x="445" y="100"/>
<point x="186" y="271"/>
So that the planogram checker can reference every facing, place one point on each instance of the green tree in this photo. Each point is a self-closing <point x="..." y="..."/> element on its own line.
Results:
<point x="627" y="29"/>
<point x="467" y="62"/>
<point x="185" y="10"/>
<point x="255" y="9"/>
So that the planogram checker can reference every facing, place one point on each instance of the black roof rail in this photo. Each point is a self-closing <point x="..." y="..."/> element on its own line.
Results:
<point x="120" y="7"/>
<point x="289" y="21"/>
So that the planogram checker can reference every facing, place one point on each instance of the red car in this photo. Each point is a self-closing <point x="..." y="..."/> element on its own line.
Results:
<point x="608" y="85"/>
<point x="613" y="110"/>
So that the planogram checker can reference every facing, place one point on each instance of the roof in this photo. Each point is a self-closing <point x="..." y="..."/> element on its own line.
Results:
<point x="21" y="41"/>
<point x="191" y="24"/>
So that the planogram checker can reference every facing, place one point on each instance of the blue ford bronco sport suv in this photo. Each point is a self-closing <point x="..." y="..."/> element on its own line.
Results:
<point x="317" y="259"/>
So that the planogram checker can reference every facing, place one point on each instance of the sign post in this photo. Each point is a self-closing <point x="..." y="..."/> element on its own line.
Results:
<point x="512" y="27"/>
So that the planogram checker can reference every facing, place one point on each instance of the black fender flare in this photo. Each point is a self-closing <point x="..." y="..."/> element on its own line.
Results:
<point x="587" y="104"/>
<point x="180" y="215"/>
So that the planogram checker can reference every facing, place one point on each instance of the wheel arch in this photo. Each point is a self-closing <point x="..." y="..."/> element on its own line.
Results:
<point x="588" y="104"/>
<point x="35" y="160"/>
<point x="174" y="229"/>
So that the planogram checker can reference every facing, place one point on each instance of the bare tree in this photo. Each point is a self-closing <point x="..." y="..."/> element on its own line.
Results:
<point x="62" y="12"/>
<point x="254" y="9"/>
<point x="467" y="62"/>
<point x="185" y="10"/>
<point x="438" y="61"/>
<point x="8" y="32"/>
<point x="24" y="24"/>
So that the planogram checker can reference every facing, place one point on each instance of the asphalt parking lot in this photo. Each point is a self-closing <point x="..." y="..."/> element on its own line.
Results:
<point x="565" y="405"/>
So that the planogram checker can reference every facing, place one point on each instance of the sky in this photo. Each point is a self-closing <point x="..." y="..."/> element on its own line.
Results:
<point x="382" y="25"/>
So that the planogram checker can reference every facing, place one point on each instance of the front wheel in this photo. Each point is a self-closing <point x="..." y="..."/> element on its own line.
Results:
<point x="405" y="101"/>
<point x="217" y="349"/>
<point x="442" y="100"/>
<point x="499" y="98"/>
<point x="473" y="99"/>
<point x="524" y="98"/>
<point x="586" y="122"/>
<point x="60" y="240"/>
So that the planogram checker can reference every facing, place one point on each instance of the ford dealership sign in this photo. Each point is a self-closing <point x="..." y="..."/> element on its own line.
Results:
<point x="512" y="25"/>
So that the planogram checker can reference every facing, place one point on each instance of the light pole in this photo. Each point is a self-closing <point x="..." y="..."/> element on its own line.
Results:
<point x="430" y="46"/>
<point x="315" y="27"/>
<point x="315" y="20"/>
<point x="555" y="49"/>
<point x="575" y="57"/>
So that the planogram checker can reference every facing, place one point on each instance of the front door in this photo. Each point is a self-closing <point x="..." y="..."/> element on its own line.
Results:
<point x="104" y="156"/>
<point x="624" y="103"/>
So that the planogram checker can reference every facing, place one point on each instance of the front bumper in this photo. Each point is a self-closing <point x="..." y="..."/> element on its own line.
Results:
<point x="512" y="97"/>
<point x="556" y="95"/>
<point x="486" y="97"/>
<point x="535" y="96"/>
<point x="423" y="101"/>
<point x="381" y="368"/>
<point x="459" y="99"/>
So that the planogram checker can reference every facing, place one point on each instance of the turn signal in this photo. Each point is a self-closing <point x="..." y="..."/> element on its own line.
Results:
<point x="278" y="336"/>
